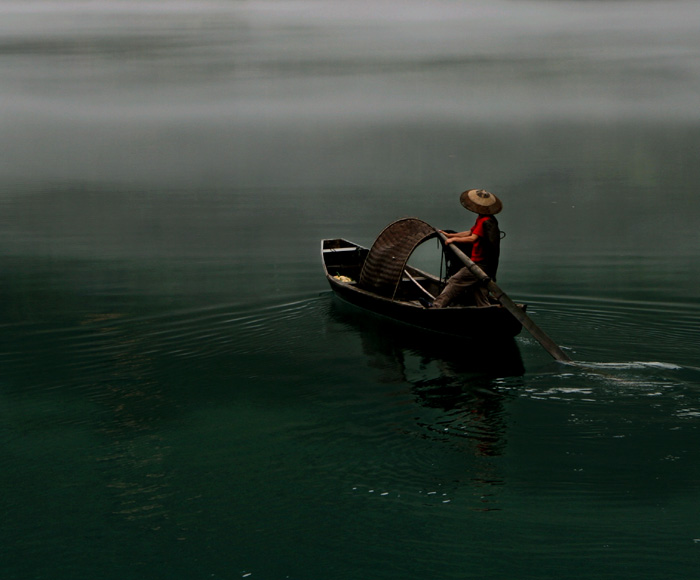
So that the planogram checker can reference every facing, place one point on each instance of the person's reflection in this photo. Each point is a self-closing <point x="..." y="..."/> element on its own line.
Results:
<point x="458" y="379"/>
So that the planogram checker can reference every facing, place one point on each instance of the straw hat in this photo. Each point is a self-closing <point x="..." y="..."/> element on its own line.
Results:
<point x="481" y="201"/>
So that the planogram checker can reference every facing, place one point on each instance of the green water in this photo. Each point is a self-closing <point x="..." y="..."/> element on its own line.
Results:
<point x="182" y="397"/>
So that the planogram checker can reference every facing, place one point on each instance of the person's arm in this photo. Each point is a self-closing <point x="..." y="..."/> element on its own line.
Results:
<point x="462" y="239"/>
<point x="456" y="234"/>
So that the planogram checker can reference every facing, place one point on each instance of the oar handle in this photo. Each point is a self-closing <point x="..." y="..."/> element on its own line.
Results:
<point x="549" y="345"/>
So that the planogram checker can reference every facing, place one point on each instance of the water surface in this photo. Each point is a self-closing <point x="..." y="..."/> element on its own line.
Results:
<point x="181" y="396"/>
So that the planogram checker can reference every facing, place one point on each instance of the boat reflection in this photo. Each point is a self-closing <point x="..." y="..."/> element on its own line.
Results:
<point x="455" y="377"/>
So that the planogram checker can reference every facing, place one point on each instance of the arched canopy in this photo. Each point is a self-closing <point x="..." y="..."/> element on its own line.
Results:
<point x="388" y="255"/>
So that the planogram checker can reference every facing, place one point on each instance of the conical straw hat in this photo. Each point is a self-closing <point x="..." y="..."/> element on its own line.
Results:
<point x="481" y="201"/>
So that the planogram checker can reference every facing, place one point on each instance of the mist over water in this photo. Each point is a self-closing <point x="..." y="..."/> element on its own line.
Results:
<point x="265" y="92"/>
<point x="180" y="395"/>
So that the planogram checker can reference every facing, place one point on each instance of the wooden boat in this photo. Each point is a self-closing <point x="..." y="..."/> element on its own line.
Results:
<point x="380" y="280"/>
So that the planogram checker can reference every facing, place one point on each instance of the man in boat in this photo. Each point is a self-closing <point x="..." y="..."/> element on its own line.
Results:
<point x="485" y="238"/>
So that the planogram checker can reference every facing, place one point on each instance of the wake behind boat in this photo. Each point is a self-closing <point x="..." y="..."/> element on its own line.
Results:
<point x="381" y="280"/>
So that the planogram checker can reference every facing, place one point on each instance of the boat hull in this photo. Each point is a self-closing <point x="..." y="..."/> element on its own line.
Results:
<point x="344" y="259"/>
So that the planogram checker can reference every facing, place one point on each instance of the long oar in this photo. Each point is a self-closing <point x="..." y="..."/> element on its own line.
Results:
<point x="549" y="345"/>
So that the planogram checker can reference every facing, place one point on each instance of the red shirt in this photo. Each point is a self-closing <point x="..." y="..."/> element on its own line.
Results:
<point x="479" y="252"/>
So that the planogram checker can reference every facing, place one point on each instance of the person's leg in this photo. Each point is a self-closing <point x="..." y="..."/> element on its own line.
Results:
<point x="481" y="295"/>
<point x="456" y="285"/>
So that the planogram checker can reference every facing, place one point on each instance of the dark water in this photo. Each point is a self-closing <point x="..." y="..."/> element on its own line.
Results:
<point x="181" y="397"/>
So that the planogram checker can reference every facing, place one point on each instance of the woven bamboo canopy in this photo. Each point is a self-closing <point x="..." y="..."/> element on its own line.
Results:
<point x="383" y="268"/>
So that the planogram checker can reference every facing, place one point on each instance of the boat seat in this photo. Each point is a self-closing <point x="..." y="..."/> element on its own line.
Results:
<point x="337" y="250"/>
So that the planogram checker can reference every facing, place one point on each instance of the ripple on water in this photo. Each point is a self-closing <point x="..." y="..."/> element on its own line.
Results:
<point x="619" y="330"/>
<point x="616" y="380"/>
